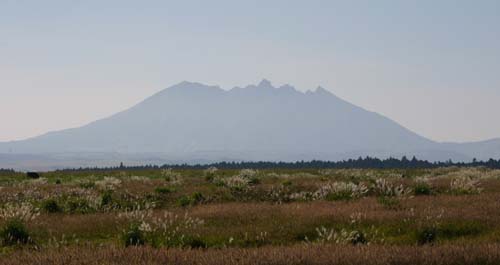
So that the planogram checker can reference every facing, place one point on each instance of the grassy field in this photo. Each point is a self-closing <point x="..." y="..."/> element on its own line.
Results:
<point x="418" y="216"/>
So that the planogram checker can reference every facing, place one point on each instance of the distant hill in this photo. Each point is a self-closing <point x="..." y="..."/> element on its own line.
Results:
<point x="194" y="122"/>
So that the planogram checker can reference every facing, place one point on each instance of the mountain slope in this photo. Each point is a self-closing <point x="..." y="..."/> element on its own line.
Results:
<point x="194" y="121"/>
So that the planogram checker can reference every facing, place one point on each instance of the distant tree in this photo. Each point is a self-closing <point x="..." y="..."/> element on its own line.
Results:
<point x="367" y="162"/>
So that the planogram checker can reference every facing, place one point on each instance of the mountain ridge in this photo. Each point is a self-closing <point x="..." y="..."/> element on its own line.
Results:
<point x="256" y="122"/>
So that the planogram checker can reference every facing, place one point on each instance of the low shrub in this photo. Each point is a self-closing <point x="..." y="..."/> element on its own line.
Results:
<point x="343" y="195"/>
<point x="184" y="201"/>
<point x="169" y="229"/>
<point x="108" y="183"/>
<point x="391" y="203"/>
<point x="427" y="235"/>
<point x="287" y="183"/>
<point x="163" y="190"/>
<point x="465" y="186"/>
<point x="14" y="233"/>
<point x="78" y="206"/>
<point x="385" y="188"/>
<point x="194" y="243"/>
<point x="172" y="177"/>
<point x="340" y="191"/>
<point x="422" y="189"/>
<point x="107" y="198"/>
<point x="358" y="237"/>
<point x="134" y="236"/>
<point x="210" y="173"/>
<point x="342" y="236"/>
<point x="197" y="198"/>
<point x="234" y="183"/>
<point x="193" y="199"/>
<point x="51" y="206"/>
<point x="452" y="230"/>
<point x="254" y="180"/>
<point x="87" y="185"/>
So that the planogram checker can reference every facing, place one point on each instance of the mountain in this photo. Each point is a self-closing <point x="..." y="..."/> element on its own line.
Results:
<point x="194" y="122"/>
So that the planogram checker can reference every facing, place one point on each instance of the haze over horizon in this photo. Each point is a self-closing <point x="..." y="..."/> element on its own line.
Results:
<point x="195" y="123"/>
<point x="430" y="66"/>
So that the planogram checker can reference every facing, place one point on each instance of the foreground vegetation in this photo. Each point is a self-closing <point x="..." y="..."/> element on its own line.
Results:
<point x="273" y="216"/>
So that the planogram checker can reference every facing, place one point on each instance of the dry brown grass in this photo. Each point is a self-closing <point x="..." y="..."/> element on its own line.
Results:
<point x="468" y="224"/>
<point x="304" y="255"/>
<point x="285" y="221"/>
<point x="483" y="207"/>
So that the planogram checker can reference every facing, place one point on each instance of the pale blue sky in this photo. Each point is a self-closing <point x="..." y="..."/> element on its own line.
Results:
<point x="433" y="66"/>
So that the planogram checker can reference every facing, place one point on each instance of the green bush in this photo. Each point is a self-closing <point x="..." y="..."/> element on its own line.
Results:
<point x="254" y="180"/>
<point x="358" y="238"/>
<point x="218" y="182"/>
<point x="134" y="236"/>
<point x="197" y="198"/>
<point x="452" y="230"/>
<point x="391" y="203"/>
<point x="306" y="235"/>
<point x="87" y="185"/>
<point x="184" y="201"/>
<point x="194" y="243"/>
<point x="209" y="177"/>
<point x="339" y="196"/>
<point x="51" y="206"/>
<point x="78" y="206"/>
<point x="14" y="233"/>
<point x="107" y="198"/>
<point x="287" y="183"/>
<point x="163" y="190"/>
<point x="427" y="235"/>
<point x="422" y="188"/>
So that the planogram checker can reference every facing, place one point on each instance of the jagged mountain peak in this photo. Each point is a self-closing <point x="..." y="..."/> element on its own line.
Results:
<point x="257" y="122"/>
<point x="265" y="84"/>
<point x="265" y="87"/>
<point x="191" y="86"/>
<point x="322" y="90"/>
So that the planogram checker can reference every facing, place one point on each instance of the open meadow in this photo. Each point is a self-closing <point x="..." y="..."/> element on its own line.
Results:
<point x="213" y="216"/>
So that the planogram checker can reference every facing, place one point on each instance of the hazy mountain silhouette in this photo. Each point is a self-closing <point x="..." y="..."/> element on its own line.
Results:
<point x="191" y="121"/>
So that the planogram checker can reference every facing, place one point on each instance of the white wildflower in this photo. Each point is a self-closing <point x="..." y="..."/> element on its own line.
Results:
<point x="341" y="190"/>
<point x="248" y="173"/>
<point x="383" y="187"/>
<point x="38" y="181"/>
<point x="236" y="182"/>
<point x="108" y="183"/>
<point x="172" y="177"/>
<point x="145" y="227"/>
<point x="342" y="236"/>
<point x="465" y="185"/>
<point x="210" y="171"/>
<point x="24" y="212"/>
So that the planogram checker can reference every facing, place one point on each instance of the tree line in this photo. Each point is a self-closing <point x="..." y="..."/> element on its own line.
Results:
<point x="362" y="163"/>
